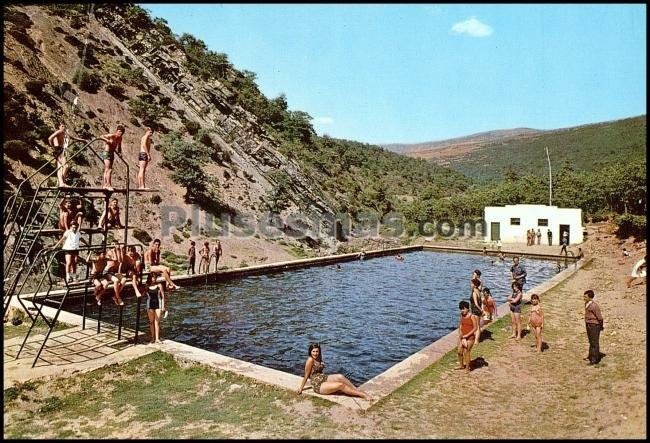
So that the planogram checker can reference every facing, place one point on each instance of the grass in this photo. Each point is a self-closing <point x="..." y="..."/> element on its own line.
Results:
<point x="177" y="263"/>
<point x="144" y="391"/>
<point x="11" y="331"/>
<point x="298" y="252"/>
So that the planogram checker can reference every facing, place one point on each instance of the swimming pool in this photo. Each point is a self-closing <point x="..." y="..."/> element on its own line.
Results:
<point x="367" y="316"/>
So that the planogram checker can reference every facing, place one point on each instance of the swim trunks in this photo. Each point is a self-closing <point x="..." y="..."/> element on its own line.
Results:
<point x="143" y="156"/>
<point x="58" y="150"/>
<point x="106" y="155"/>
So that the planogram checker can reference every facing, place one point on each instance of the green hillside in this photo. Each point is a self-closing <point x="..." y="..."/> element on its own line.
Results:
<point x="367" y="177"/>
<point x="584" y="148"/>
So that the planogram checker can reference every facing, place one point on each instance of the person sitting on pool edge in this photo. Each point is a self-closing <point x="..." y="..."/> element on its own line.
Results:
<point x="323" y="383"/>
<point x="152" y="264"/>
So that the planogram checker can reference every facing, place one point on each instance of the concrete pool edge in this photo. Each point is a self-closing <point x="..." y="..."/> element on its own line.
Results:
<point x="379" y="386"/>
<point x="212" y="277"/>
<point x="229" y="274"/>
<point x="183" y="352"/>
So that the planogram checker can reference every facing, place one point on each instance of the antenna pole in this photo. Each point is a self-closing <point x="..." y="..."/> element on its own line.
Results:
<point x="550" y="180"/>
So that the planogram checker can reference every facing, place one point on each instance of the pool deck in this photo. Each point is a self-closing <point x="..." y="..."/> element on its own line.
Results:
<point x="105" y="349"/>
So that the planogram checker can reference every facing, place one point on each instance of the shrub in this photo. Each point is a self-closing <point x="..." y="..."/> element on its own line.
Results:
<point x="144" y="108"/>
<point x="135" y="122"/>
<point x="203" y="136"/>
<point x="87" y="55"/>
<point x="87" y="81"/>
<point x="76" y="22"/>
<point x="16" y="149"/>
<point x="192" y="127"/>
<point x="84" y="132"/>
<point x="35" y="87"/>
<point x="74" y="41"/>
<point x="185" y="159"/>
<point x="18" y="18"/>
<point x="21" y="37"/>
<point x="142" y="236"/>
<point x="631" y="225"/>
<point x="155" y="199"/>
<point x="177" y="239"/>
<point x="63" y="87"/>
<point x="116" y="90"/>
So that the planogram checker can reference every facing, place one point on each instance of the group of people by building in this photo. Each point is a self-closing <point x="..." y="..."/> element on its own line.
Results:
<point x="531" y="235"/>
<point x="535" y="238"/>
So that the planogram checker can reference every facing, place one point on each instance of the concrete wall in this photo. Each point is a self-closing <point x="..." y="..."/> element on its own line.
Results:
<point x="529" y="216"/>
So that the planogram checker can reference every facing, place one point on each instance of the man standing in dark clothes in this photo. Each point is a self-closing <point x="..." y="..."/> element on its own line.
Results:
<point x="594" y="324"/>
<point x="517" y="273"/>
<point x="192" y="257"/>
<point x="549" y="234"/>
<point x="564" y="242"/>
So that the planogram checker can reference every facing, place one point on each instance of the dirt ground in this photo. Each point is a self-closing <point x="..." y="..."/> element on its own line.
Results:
<point x="516" y="393"/>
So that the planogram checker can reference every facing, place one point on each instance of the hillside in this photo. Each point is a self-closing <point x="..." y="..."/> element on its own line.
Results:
<point x="586" y="148"/>
<point x="469" y="142"/>
<point x="219" y="144"/>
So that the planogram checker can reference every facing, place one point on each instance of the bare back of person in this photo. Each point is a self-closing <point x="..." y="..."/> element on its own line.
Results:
<point x="58" y="140"/>
<point x="99" y="264"/>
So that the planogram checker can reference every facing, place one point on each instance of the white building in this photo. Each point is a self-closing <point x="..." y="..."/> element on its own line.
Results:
<point x="510" y="223"/>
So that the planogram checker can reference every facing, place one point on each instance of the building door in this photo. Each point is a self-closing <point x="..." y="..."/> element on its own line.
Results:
<point x="495" y="231"/>
<point x="565" y="228"/>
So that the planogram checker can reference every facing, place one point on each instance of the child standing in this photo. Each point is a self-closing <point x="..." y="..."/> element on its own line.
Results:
<point x="192" y="257"/>
<point x="489" y="308"/>
<point x="536" y="320"/>
<point x="514" y="300"/>
<point x="467" y="327"/>
<point x="155" y="304"/>
<point x="205" y="257"/>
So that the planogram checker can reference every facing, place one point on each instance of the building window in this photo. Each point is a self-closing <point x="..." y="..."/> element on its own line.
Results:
<point x="515" y="221"/>
<point x="542" y="222"/>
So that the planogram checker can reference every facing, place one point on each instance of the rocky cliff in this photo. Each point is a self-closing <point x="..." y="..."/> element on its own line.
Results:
<point x="136" y="61"/>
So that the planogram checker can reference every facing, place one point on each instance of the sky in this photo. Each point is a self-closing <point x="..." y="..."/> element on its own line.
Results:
<point x="392" y="73"/>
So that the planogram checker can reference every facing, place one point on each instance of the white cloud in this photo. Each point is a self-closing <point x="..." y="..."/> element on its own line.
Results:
<point x="472" y="27"/>
<point x="324" y="120"/>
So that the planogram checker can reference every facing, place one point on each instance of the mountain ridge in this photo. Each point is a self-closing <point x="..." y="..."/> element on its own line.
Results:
<point x="483" y="136"/>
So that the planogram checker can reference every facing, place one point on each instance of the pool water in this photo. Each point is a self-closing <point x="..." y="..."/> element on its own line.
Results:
<point x="367" y="316"/>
